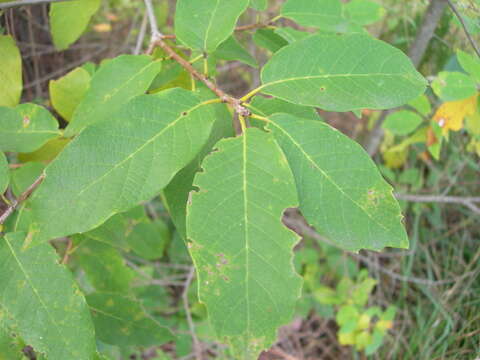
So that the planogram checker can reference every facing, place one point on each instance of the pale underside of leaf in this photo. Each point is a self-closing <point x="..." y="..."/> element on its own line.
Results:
<point x="342" y="73"/>
<point x="112" y="166"/>
<point x="341" y="192"/>
<point x="241" y="250"/>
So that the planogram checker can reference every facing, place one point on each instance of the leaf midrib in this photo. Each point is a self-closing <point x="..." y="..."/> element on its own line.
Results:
<point x="209" y="26"/>
<point x="152" y="139"/>
<point x="327" y="76"/>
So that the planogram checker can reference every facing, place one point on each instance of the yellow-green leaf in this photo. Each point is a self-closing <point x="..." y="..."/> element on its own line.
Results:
<point x="68" y="20"/>
<point x="68" y="91"/>
<point x="10" y="72"/>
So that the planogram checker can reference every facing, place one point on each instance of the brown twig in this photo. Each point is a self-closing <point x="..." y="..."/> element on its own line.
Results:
<point x="13" y="4"/>
<point x="465" y="201"/>
<point x="235" y="103"/>
<point x="465" y="29"/>
<point x="24" y="196"/>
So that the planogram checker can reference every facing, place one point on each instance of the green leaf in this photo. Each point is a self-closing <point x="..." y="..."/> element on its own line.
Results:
<point x="470" y="64"/>
<point x="203" y="25"/>
<point x="402" y="122"/>
<point x="422" y="105"/>
<point x="341" y="192"/>
<point x="41" y="296"/>
<point x="10" y="72"/>
<point x="26" y="128"/>
<point x="322" y="14"/>
<point x="114" y="231"/>
<point x="68" y="91"/>
<point x="121" y="320"/>
<point x="268" y="39"/>
<point x="148" y="240"/>
<point x="4" y="173"/>
<point x="25" y="176"/>
<point x="291" y="35"/>
<point x="68" y="20"/>
<point x="231" y="50"/>
<point x="364" y="12"/>
<point x="451" y="86"/>
<point x="103" y="265"/>
<point x="260" y="5"/>
<point x="271" y="106"/>
<point x="342" y="73"/>
<point x="112" y="166"/>
<point x="241" y="250"/>
<point x="177" y="192"/>
<point x="112" y="86"/>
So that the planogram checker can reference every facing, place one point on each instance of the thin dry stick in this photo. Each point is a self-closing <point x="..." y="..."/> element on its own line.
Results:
<point x="465" y="201"/>
<point x="465" y="29"/>
<point x="14" y="4"/>
<point x="196" y="344"/>
<point x="297" y="224"/>
<point x="21" y="199"/>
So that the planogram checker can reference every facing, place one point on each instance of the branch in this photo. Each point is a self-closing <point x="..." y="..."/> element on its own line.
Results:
<point x="462" y="21"/>
<point x="24" y="196"/>
<point x="427" y="29"/>
<point x="158" y="40"/>
<point x="296" y="222"/>
<point x="465" y="201"/>
<point x="14" y="4"/>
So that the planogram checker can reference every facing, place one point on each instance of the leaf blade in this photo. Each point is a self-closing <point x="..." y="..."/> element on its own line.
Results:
<point x="211" y="24"/>
<point x="53" y="319"/>
<point x="113" y="85"/>
<point x="112" y="175"/>
<point x="340" y="189"/>
<point x="10" y="72"/>
<point x="73" y="16"/>
<point x="362" y="73"/>
<point x="239" y="275"/>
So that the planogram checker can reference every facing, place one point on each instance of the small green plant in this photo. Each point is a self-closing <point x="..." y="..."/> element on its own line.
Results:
<point x="225" y="168"/>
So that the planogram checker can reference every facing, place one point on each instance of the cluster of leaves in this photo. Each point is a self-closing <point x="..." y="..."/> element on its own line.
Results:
<point x="135" y="130"/>
<point x="455" y="97"/>
<point x="346" y="301"/>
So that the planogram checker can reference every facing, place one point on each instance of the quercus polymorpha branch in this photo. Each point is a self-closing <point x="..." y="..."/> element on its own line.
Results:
<point x="24" y="196"/>
<point x="235" y="103"/>
<point x="14" y="4"/>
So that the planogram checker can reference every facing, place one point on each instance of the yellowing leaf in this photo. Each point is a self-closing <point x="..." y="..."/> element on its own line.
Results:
<point x="102" y="28"/>
<point x="450" y="115"/>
